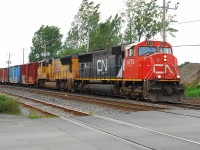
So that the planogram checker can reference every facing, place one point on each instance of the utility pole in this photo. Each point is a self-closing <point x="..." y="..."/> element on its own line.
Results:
<point x="88" y="40"/>
<point x="23" y="55"/>
<point x="165" y="9"/>
<point x="8" y="62"/>
<point x="164" y="22"/>
<point x="45" y="54"/>
<point x="45" y="49"/>
<point x="88" y="37"/>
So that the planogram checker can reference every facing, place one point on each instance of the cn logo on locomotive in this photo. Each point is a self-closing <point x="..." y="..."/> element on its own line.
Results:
<point x="164" y="66"/>
<point x="102" y="66"/>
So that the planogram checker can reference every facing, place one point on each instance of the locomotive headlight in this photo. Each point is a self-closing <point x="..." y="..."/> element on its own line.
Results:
<point x="165" y="58"/>
<point x="178" y="76"/>
<point x="159" y="76"/>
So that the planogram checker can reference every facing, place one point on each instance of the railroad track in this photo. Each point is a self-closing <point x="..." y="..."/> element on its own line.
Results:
<point x="94" y="100"/>
<point x="42" y="107"/>
<point x="183" y="105"/>
<point x="110" y="103"/>
<point x="35" y="104"/>
<point x="105" y="130"/>
<point x="122" y="124"/>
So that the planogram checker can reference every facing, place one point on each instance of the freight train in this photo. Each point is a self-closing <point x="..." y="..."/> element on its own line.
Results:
<point x="145" y="70"/>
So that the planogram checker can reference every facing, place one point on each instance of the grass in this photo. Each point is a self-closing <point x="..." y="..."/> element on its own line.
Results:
<point x="91" y="113"/>
<point x="193" y="91"/>
<point x="35" y="115"/>
<point x="9" y="105"/>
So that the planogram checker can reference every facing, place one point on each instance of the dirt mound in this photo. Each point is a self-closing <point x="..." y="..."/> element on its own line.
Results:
<point x="190" y="73"/>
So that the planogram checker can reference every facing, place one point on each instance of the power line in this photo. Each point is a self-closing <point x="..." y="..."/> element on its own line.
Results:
<point x="186" y="45"/>
<point x="189" y="21"/>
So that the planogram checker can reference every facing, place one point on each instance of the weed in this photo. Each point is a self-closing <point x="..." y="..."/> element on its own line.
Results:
<point x="35" y="116"/>
<point x="91" y="113"/>
<point x="9" y="105"/>
<point x="193" y="91"/>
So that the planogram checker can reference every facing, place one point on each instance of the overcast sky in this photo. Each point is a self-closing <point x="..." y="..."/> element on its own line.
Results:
<point x="21" y="18"/>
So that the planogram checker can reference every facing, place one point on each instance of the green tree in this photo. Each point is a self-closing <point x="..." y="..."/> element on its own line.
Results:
<point x="144" y="19"/>
<point x="46" y="38"/>
<point x="85" y="21"/>
<point x="183" y="64"/>
<point x="68" y="51"/>
<point x="107" y="34"/>
<point x="128" y="17"/>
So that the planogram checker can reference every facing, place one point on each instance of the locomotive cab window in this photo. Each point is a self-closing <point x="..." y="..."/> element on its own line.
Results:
<point x="166" y="50"/>
<point x="143" y="50"/>
<point x="130" y="52"/>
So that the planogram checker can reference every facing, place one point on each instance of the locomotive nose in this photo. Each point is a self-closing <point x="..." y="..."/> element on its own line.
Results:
<point x="165" y="66"/>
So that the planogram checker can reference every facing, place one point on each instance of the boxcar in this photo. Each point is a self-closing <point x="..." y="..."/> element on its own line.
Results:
<point x="4" y="75"/>
<point x="1" y="75"/>
<point x="15" y="74"/>
<point x="28" y="73"/>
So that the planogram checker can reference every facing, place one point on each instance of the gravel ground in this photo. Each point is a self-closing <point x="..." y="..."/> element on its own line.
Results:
<point x="192" y="100"/>
<point x="71" y="104"/>
<point x="6" y="116"/>
<point x="77" y="105"/>
<point x="25" y="112"/>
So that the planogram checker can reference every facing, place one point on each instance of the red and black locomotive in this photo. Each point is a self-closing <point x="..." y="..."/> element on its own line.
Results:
<point x="146" y="70"/>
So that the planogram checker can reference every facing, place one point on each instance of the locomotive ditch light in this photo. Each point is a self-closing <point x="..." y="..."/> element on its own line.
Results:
<point x="159" y="76"/>
<point x="178" y="77"/>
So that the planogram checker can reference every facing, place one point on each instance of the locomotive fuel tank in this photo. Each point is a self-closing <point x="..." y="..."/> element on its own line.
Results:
<point x="51" y="85"/>
<point x="107" y="89"/>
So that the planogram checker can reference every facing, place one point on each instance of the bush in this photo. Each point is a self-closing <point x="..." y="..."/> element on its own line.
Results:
<point x="9" y="105"/>
<point x="193" y="91"/>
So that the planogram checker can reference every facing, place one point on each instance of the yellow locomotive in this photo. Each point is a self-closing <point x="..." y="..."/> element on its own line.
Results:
<point x="58" y="73"/>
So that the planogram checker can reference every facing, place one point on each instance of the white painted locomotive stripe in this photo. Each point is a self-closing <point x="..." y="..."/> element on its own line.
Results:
<point x="146" y="129"/>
